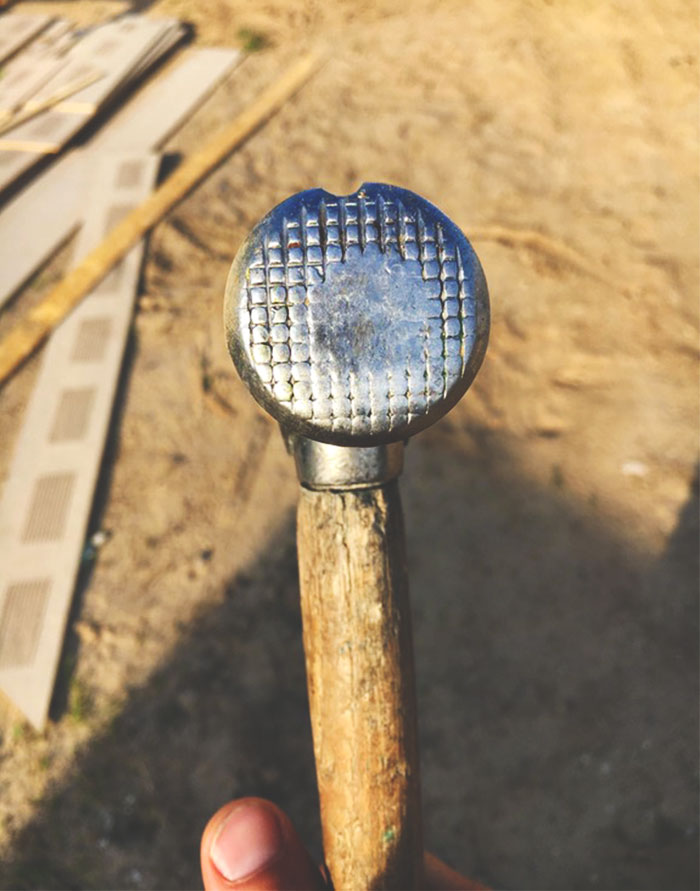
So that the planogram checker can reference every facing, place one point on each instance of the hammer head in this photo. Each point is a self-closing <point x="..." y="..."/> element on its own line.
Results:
<point x="356" y="320"/>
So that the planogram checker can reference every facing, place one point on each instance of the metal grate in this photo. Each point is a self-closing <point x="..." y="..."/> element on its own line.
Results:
<point x="21" y="620"/>
<point x="45" y="126"/>
<point x="46" y="519"/>
<point x="91" y="340"/>
<point x="72" y="415"/>
<point x="129" y="174"/>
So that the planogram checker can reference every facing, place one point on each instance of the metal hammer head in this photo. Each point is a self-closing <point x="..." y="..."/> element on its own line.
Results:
<point x="356" y="320"/>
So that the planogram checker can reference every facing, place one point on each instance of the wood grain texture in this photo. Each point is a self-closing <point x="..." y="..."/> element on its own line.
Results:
<point x="359" y="660"/>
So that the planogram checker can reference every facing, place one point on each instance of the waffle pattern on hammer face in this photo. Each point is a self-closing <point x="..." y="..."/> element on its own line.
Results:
<point x="358" y="314"/>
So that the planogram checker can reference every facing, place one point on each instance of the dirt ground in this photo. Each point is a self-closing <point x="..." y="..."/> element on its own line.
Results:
<point x="552" y="517"/>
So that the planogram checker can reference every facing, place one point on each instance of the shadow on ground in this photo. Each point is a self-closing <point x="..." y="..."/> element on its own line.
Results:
<point x="558" y="710"/>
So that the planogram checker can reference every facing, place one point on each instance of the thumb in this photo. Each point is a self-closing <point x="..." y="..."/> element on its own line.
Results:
<point x="251" y="844"/>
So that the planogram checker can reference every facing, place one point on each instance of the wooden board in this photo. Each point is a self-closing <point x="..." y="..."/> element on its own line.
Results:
<point x="56" y="39"/>
<point x="49" y="491"/>
<point x="44" y="134"/>
<point x="12" y="166"/>
<point x="35" y="223"/>
<point x="110" y="56"/>
<point x="116" y="48"/>
<point x="23" y="81"/>
<point x="164" y="105"/>
<point x="17" y="30"/>
<point x="36" y="326"/>
<point x="160" y="48"/>
<point x="25" y="74"/>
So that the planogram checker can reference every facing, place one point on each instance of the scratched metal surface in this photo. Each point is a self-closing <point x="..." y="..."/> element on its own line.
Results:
<point x="357" y="319"/>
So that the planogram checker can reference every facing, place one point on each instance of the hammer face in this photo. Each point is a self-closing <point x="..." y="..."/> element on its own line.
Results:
<point x="357" y="320"/>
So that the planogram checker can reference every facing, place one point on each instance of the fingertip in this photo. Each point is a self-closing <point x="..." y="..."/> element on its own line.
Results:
<point x="248" y="839"/>
<point x="250" y="843"/>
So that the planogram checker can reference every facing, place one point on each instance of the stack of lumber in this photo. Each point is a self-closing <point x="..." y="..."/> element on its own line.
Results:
<point x="49" y="491"/>
<point x="24" y="75"/>
<point x="61" y="78"/>
<point x="16" y="31"/>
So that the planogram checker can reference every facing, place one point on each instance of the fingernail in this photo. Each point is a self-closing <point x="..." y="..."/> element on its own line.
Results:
<point x="248" y="839"/>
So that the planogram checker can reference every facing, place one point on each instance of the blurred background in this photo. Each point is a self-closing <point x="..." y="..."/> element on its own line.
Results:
<point x="552" y="517"/>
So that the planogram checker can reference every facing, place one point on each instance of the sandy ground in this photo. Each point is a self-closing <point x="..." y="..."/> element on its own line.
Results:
<point x="552" y="517"/>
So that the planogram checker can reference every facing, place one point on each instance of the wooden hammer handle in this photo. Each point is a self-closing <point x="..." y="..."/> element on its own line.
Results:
<point x="359" y="661"/>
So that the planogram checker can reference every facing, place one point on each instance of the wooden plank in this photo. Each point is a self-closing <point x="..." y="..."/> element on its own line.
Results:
<point x="30" y="70"/>
<point x="54" y="40"/>
<point x="54" y="134"/>
<point x="12" y="166"/>
<point x="44" y="134"/>
<point x="163" y="106"/>
<point x="41" y="129"/>
<point x="115" y="49"/>
<point x="35" y="223"/>
<point x="25" y="80"/>
<point x="37" y="325"/>
<point x="160" y="48"/>
<point x="50" y="488"/>
<point x="17" y="30"/>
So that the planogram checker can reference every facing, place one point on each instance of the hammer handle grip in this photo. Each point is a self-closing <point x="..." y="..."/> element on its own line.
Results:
<point x="359" y="662"/>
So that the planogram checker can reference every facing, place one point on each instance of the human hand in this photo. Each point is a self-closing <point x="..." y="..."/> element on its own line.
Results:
<point x="250" y="845"/>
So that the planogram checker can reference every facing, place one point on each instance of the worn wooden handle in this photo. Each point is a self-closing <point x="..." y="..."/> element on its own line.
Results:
<point x="359" y="661"/>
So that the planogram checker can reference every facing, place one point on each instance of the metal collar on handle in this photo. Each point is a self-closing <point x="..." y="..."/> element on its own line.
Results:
<point x="321" y="465"/>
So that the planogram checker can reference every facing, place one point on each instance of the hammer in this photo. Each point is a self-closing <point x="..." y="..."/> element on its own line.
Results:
<point x="357" y="321"/>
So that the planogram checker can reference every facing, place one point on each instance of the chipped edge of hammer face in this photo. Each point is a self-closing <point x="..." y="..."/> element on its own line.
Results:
<point x="357" y="320"/>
